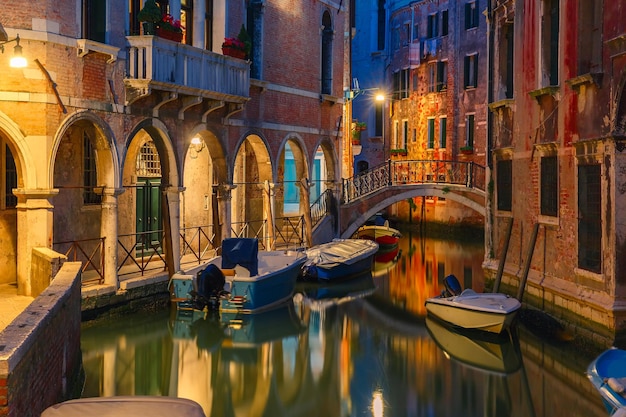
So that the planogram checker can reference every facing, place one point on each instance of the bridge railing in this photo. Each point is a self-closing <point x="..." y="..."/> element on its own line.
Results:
<point x="411" y="172"/>
<point x="322" y="206"/>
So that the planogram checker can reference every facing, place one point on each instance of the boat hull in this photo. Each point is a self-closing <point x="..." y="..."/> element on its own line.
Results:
<point x="488" y="312"/>
<point x="386" y="237"/>
<point x="273" y="285"/>
<point x="123" y="406"/>
<point x="340" y="259"/>
<point x="609" y="364"/>
<point x="268" y="289"/>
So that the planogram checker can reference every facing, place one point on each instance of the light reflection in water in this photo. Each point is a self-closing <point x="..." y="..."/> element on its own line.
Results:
<point x="361" y="347"/>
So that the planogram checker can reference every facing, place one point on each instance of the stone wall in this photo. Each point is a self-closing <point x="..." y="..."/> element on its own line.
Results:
<point x="40" y="357"/>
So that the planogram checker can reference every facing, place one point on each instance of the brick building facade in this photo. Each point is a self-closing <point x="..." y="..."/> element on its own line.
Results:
<point x="124" y="141"/>
<point x="433" y="77"/>
<point x="557" y="135"/>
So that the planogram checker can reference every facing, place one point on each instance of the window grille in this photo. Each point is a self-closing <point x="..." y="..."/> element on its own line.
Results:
<point x="148" y="162"/>
<point x="589" y="218"/>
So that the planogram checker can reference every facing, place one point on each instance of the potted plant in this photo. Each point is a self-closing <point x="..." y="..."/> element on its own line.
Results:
<point x="467" y="150"/>
<point x="150" y="14"/>
<point x="170" y="28"/>
<point x="360" y="126"/>
<point x="238" y="47"/>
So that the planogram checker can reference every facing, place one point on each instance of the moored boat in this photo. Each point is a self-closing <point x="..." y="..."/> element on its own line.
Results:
<point x="126" y="406"/>
<point x="490" y="312"/>
<point x="386" y="236"/>
<point x="339" y="259"/>
<point x="607" y="374"/>
<point x="242" y="279"/>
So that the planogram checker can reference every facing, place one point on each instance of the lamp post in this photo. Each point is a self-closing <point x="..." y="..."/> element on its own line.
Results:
<point x="18" y="60"/>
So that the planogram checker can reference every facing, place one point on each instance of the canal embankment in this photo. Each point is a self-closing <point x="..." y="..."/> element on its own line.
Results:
<point x="40" y="357"/>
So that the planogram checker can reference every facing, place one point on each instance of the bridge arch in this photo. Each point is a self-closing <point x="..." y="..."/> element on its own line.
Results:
<point x="355" y="214"/>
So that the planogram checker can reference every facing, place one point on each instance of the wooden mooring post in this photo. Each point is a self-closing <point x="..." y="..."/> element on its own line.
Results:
<point x="529" y="257"/>
<point x="505" y="249"/>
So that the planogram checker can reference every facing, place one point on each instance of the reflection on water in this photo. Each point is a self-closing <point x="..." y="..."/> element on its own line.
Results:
<point x="362" y="347"/>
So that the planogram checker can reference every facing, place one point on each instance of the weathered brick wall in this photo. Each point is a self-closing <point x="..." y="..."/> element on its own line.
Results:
<point x="40" y="358"/>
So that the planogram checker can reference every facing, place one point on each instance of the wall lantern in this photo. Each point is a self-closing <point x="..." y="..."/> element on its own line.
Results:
<point x="197" y="145"/>
<point x="18" y="60"/>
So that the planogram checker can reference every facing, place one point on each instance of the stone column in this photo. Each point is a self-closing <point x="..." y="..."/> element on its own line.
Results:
<point x="269" y="211"/>
<point x="171" y="226"/>
<point x="108" y="229"/>
<point x="224" y="195"/>
<point x="305" y="209"/>
<point x="34" y="229"/>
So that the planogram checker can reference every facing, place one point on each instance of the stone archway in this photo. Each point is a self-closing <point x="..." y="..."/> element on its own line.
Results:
<point x="148" y="221"/>
<point x="86" y="203"/>
<point x="203" y="208"/>
<point x="252" y="177"/>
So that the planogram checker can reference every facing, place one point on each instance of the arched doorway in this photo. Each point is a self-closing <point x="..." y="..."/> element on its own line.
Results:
<point x="8" y="213"/>
<point x="149" y="203"/>
<point x="251" y="212"/>
<point x="202" y="212"/>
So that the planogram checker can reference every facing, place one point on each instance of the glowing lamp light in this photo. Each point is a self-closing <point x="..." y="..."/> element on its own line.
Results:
<point x="18" y="60"/>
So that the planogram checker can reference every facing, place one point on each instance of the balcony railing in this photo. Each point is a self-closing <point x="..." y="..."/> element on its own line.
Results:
<point x="158" y="64"/>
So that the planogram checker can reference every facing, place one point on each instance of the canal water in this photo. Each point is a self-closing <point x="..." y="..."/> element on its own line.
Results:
<point x="363" y="347"/>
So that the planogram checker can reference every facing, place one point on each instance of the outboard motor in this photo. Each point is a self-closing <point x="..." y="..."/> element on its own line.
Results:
<point x="210" y="284"/>
<point x="453" y="287"/>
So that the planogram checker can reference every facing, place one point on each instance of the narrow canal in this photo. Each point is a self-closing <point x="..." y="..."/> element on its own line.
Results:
<point x="360" y="348"/>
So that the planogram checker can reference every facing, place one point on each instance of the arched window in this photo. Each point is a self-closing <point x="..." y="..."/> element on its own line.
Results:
<point x="327" y="54"/>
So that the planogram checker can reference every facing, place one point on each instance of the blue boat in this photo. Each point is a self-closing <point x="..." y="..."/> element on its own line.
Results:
<point x="607" y="373"/>
<point x="339" y="259"/>
<point x="241" y="280"/>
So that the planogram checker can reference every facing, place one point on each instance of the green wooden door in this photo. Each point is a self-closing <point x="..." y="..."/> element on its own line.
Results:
<point x="149" y="214"/>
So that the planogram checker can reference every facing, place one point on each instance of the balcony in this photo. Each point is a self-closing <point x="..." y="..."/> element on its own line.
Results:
<point x="194" y="75"/>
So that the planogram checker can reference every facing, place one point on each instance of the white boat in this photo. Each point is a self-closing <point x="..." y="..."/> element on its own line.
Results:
<point x="126" y="406"/>
<point x="243" y="279"/>
<point x="490" y="312"/>
<point x="339" y="258"/>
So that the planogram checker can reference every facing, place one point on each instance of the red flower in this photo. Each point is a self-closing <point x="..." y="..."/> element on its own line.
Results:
<point x="233" y="43"/>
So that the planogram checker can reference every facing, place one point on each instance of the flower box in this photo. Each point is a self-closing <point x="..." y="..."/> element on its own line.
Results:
<point x="467" y="150"/>
<point x="168" y="34"/>
<point x="234" y="52"/>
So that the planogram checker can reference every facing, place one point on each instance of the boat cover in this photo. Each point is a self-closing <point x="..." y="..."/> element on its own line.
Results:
<point x="242" y="252"/>
<point x="340" y="251"/>
<point x="126" y="406"/>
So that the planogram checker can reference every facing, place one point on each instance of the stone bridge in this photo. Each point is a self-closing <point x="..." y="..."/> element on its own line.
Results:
<point x="375" y="189"/>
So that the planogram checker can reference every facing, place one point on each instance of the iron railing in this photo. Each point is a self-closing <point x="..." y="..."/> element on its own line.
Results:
<point x="391" y="173"/>
<point x="322" y="206"/>
<point x="88" y="251"/>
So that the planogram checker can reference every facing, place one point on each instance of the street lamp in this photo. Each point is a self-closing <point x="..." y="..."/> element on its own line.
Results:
<point x="18" y="60"/>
